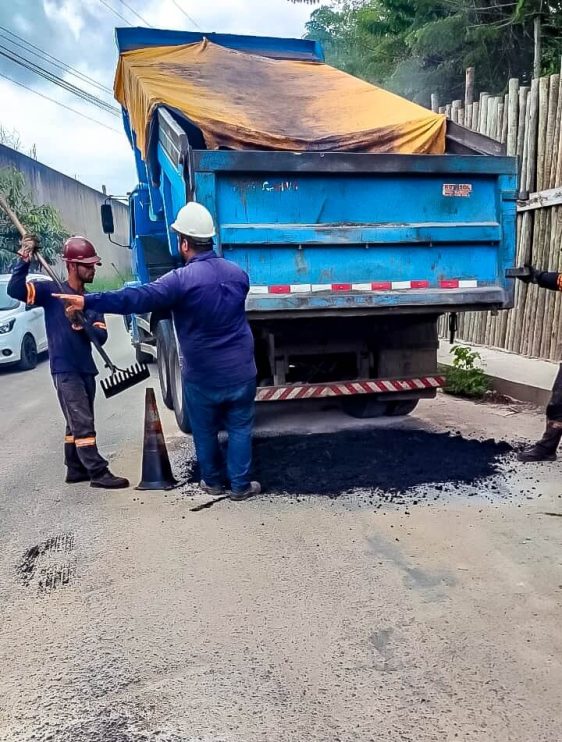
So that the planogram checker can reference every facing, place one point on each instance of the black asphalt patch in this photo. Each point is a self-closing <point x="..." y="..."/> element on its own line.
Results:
<point x="390" y="461"/>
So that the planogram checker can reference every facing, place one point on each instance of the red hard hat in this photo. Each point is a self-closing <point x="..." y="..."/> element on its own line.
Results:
<point x="80" y="250"/>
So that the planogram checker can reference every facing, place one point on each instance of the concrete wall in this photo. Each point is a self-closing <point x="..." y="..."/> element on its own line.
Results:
<point x="79" y="207"/>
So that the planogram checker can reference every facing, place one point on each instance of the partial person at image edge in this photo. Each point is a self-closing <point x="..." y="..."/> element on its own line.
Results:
<point x="545" y="448"/>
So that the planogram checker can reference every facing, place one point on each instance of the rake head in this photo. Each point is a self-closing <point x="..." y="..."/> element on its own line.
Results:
<point x="122" y="379"/>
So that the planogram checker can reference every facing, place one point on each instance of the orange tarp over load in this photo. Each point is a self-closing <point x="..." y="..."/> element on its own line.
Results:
<point x="246" y="101"/>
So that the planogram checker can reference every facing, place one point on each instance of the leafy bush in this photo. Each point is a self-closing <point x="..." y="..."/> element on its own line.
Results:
<point x="466" y="377"/>
<point x="42" y="220"/>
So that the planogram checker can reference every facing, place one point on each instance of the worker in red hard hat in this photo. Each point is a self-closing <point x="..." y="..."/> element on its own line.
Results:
<point x="70" y="353"/>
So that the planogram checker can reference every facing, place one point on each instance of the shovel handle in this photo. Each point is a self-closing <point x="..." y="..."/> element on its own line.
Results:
<point x="53" y="276"/>
<point x="11" y="216"/>
<point x="23" y="232"/>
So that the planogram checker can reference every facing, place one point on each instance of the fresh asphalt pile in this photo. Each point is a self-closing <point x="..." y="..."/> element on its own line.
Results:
<point x="390" y="463"/>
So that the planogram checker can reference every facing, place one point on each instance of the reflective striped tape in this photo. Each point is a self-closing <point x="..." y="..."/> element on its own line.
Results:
<point x="83" y="442"/>
<point x="371" y="286"/>
<point x="30" y="289"/>
<point x="346" y="388"/>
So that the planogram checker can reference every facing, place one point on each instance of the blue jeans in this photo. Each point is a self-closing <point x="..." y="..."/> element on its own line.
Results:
<point x="210" y="409"/>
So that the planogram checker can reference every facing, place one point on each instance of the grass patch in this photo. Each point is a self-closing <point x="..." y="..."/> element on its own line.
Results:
<point x="109" y="283"/>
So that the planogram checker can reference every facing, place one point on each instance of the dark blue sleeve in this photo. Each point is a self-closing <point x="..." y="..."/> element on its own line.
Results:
<point x="33" y="293"/>
<point x="161" y="294"/>
<point x="552" y="281"/>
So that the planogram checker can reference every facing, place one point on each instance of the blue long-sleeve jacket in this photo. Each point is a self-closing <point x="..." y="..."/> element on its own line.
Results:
<point x="70" y="351"/>
<point x="207" y="300"/>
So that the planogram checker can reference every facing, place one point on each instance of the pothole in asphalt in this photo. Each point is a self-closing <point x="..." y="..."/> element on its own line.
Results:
<point x="389" y="462"/>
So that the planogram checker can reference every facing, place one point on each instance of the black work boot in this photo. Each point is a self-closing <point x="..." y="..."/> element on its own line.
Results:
<point x="545" y="449"/>
<point x="107" y="480"/>
<point x="75" y="476"/>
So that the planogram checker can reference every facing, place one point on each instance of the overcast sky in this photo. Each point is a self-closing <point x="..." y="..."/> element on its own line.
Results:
<point x="81" y="34"/>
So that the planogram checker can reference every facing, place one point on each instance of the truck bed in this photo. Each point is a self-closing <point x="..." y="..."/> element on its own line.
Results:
<point x="359" y="233"/>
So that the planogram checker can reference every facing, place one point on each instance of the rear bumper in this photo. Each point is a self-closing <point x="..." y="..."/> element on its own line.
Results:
<point x="433" y="300"/>
<point x="418" y="386"/>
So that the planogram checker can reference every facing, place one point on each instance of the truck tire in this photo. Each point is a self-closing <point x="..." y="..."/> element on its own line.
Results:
<point x="164" y="342"/>
<point x="178" y="394"/>
<point x="364" y="406"/>
<point x="401" y="407"/>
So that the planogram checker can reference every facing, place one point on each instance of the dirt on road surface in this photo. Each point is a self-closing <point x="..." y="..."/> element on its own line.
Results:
<point x="292" y="617"/>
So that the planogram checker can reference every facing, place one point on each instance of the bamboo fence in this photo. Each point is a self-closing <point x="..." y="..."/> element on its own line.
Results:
<point x="528" y="119"/>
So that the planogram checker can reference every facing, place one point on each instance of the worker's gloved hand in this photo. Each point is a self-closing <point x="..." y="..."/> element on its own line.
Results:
<point x="28" y="247"/>
<point x="74" y="318"/>
<point x="73" y="304"/>
<point x="531" y="277"/>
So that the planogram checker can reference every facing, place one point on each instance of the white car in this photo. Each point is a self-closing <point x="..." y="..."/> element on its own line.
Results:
<point x="22" y="329"/>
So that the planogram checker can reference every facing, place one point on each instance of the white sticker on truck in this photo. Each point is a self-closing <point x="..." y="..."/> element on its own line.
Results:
<point x="457" y="190"/>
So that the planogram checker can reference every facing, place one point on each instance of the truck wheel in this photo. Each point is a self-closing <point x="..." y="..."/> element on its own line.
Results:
<point x="28" y="358"/>
<point x="401" y="407"/>
<point x="178" y="394"/>
<point x="164" y="342"/>
<point x="364" y="406"/>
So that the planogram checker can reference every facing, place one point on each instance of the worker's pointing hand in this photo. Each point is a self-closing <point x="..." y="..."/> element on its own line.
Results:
<point x="74" y="302"/>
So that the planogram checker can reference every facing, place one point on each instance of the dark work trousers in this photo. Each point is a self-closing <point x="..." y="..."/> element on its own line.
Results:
<point x="554" y="407"/>
<point x="76" y="394"/>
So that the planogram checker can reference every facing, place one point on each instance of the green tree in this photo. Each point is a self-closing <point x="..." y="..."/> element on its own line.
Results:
<point x="416" y="47"/>
<point x="42" y="220"/>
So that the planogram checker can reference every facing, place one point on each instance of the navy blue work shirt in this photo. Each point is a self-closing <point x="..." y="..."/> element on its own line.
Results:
<point x="207" y="299"/>
<point x="70" y="350"/>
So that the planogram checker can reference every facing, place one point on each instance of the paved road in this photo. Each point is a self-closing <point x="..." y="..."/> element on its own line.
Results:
<point x="128" y="616"/>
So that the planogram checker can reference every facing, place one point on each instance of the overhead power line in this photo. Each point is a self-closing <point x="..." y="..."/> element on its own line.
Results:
<point x="186" y="14"/>
<point x="58" y="103"/>
<point x="36" y="51"/>
<point x="52" y="77"/>
<point x="136" y="13"/>
<point x="109" y="7"/>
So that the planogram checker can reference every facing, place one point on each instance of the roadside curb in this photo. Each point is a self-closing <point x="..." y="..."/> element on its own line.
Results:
<point x="525" y="379"/>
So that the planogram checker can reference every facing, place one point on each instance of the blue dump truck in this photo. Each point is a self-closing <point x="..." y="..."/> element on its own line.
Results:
<point x="360" y="217"/>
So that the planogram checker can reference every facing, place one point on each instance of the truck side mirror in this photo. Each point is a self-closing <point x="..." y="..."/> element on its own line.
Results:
<point x="107" y="219"/>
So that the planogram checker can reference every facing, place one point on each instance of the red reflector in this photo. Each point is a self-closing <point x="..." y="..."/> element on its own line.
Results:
<point x="279" y="289"/>
<point x="381" y="286"/>
<point x="451" y="284"/>
<point x="341" y="287"/>
<point x="420" y="284"/>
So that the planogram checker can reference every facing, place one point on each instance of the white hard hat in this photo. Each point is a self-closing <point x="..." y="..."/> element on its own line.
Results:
<point x="194" y="220"/>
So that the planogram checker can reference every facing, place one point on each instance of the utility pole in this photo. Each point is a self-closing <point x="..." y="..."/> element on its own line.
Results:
<point x="469" y="87"/>
<point x="537" y="53"/>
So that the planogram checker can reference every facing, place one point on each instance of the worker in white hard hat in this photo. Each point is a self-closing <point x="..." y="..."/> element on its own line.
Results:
<point x="207" y="300"/>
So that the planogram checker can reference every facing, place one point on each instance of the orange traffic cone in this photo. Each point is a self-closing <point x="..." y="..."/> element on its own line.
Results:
<point x="156" y="468"/>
